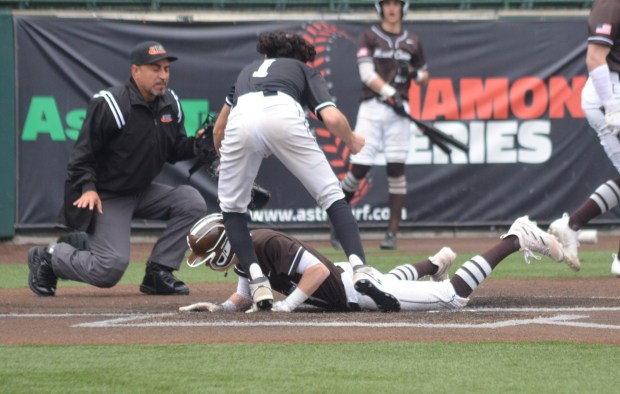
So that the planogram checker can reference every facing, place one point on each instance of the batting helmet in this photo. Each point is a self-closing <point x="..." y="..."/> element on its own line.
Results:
<point x="208" y="243"/>
<point x="404" y="8"/>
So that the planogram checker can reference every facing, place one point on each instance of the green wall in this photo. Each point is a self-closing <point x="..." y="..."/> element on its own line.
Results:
<point x="8" y="130"/>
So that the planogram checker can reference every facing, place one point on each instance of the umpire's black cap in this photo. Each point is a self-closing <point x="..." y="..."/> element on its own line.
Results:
<point x="148" y="52"/>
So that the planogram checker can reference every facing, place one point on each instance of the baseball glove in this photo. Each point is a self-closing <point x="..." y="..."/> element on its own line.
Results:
<point x="204" y="148"/>
<point x="260" y="197"/>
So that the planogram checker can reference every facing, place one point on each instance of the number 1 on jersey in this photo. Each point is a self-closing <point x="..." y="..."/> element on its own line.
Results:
<point x="263" y="69"/>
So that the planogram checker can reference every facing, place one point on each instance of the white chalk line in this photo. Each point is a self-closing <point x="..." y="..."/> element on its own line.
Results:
<point x="136" y="320"/>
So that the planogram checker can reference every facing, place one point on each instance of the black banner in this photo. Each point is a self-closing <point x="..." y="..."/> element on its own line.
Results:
<point x="509" y="89"/>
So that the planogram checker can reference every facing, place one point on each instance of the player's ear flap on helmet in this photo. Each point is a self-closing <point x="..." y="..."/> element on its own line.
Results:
<point x="208" y="244"/>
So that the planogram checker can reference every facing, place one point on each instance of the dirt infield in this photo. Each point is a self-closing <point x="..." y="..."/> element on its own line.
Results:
<point x="580" y="310"/>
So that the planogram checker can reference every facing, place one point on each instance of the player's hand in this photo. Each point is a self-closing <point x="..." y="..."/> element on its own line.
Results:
<point x="356" y="144"/>
<point x="397" y="101"/>
<point x="202" y="307"/>
<point x="612" y="117"/>
<point x="281" y="306"/>
<point x="90" y="200"/>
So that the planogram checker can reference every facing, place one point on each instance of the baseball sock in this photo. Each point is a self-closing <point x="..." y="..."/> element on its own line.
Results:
<point x="414" y="271"/>
<point x="346" y="228"/>
<point x="604" y="198"/>
<point x="475" y="270"/>
<point x="240" y="240"/>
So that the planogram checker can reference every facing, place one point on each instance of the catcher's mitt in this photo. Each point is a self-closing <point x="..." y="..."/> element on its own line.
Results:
<point x="204" y="148"/>
<point x="260" y="197"/>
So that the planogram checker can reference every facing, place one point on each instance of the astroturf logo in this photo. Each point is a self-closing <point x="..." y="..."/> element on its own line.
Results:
<point x="44" y="119"/>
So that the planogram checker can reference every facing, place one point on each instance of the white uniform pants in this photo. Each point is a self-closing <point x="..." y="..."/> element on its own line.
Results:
<point x="261" y="125"/>
<point x="413" y="295"/>
<point x="592" y="107"/>
<point x="384" y="130"/>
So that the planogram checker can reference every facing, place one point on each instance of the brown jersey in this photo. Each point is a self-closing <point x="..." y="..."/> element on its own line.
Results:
<point x="604" y="29"/>
<point x="392" y="55"/>
<point x="279" y="255"/>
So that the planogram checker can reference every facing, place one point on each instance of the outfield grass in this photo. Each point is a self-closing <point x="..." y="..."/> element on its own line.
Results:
<point x="312" y="368"/>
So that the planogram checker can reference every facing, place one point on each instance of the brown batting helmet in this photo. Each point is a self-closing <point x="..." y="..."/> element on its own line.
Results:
<point x="208" y="243"/>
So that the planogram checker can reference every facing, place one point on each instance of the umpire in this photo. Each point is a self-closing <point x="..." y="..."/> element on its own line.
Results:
<point x="129" y="133"/>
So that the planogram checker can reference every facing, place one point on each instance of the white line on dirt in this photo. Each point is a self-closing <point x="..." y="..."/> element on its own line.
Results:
<point x="127" y="320"/>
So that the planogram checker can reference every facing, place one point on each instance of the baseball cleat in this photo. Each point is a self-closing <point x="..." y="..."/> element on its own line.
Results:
<point x="41" y="278"/>
<point x="532" y="239"/>
<point x="443" y="260"/>
<point x="366" y="282"/>
<point x="569" y="240"/>
<point x="260" y="289"/>
<point x="615" y="266"/>
<point x="389" y="242"/>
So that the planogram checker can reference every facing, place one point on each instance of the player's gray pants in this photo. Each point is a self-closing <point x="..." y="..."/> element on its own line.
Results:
<point x="107" y="260"/>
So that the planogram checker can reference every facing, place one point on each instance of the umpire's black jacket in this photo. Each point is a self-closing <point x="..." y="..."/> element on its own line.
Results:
<point x="125" y="141"/>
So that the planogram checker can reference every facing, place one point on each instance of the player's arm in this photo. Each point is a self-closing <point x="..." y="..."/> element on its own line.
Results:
<point x="370" y="78"/>
<point x="338" y="125"/>
<point x="313" y="274"/>
<point x="238" y="301"/>
<point x="596" y="56"/>
<point x="596" y="62"/>
<point x="220" y="126"/>
<point x="222" y="120"/>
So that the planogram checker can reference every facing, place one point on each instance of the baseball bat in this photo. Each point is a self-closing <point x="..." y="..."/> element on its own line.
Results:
<point x="438" y="137"/>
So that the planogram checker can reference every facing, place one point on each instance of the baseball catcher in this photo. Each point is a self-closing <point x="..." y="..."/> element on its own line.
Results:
<point x="208" y="158"/>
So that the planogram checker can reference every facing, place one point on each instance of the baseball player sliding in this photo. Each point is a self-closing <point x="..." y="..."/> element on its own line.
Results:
<point x="265" y="116"/>
<point x="305" y="276"/>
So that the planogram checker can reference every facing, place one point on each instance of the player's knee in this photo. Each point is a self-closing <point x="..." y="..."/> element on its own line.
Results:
<point x="109" y="272"/>
<point x="189" y="200"/>
<point x="395" y="169"/>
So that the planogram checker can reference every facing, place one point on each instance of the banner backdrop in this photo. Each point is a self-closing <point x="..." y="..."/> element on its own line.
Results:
<point x="509" y="89"/>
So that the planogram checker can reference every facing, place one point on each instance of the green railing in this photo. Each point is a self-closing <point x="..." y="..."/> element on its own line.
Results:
<point x="323" y="5"/>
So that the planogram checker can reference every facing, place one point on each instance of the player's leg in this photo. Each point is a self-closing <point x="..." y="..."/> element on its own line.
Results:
<point x="396" y="148"/>
<point x="523" y="235"/>
<point x="241" y="155"/>
<point x="604" y="198"/>
<point x="369" y="124"/>
<point x="397" y="191"/>
<point x="180" y="207"/>
<point x="437" y="266"/>
<point x="349" y="184"/>
<point x="105" y="262"/>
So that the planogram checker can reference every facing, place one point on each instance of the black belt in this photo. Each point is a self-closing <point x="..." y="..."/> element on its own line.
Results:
<point x="268" y="93"/>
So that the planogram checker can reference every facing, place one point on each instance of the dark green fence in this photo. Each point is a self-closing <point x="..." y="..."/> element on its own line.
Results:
<point x="322" y="5"/>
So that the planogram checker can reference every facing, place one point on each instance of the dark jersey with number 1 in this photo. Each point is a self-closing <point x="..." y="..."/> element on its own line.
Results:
<point x="286" y="75"/>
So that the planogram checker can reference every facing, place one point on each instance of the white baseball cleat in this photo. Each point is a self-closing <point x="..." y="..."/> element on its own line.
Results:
<point x="260" y="289"/>
<point x="367" y="282"/>
<point x="532" y="239"/>
<point x="443" y="260"/>
<point x="615" y="265"/>
<point x="569" y="240"/>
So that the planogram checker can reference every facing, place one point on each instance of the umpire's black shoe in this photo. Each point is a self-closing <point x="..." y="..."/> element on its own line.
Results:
<point x="41" y="278"/>
<point x="158" y="280"/>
